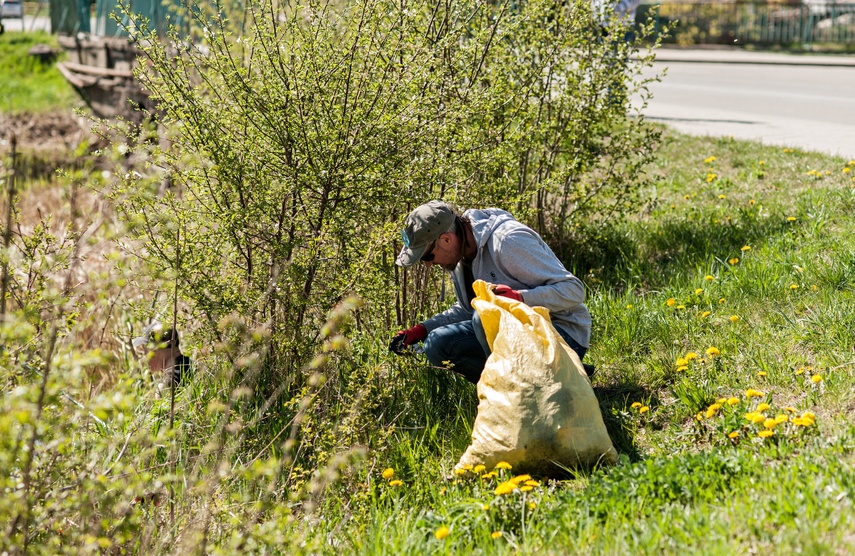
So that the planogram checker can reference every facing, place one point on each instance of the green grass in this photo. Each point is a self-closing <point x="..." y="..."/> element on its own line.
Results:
<point x="694" y="476"/>
<point x="683" y="484"/>
<point x="26" y="84"/>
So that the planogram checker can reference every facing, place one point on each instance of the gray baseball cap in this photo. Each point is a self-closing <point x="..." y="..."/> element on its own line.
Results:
<point x="421" y="228"/>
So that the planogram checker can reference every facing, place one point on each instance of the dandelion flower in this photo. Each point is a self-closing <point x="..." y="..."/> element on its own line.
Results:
<point x="763" y="406"/>
<point x="643" y="409"/>
<point x="791" y="219"/>
<point x="489" y="475"/>
<point x="681" y="306"/>
<point x="782" y="418"/>
<point x="752" y="393"/>
<point x="734" y="318"/>
<point x="710" y="413"/>
<point x="687" y="197"/>
<point x="721" y="300"/>
<point x="816" y="379"/>
<point x="395" y="483"/>
<point x="520" y="479"/>
<point x="751" y="201"/>
<point x="503" y="465"/>
<point x="526" y="488"/>
<point x="709" y="277"/>
<point x="496" y="534"/>
<point x="485" y="507"/>
<point x="532" y="505"/>
<point x="671" y="302"/>
<point x="635" y="405"/>
<point x="732" y="401"/>
<point x="800" y="371"/>
<point x="682" y="362"/>
<point x="791" y="409"/>
<point x="691" y="356"/>
<point x="733" y="260"/>
<point x="442" y="532"/>
<point x="460" y="471"/>
<point x="794" y="286"/>
<point x="709" y="159"/>
<point x="682" y="368"/>
<point x="761" y="373"/>
<point x="715" y="407"/>
<point x="809" y="415"/>
<point x="388" y="473"/>
<point x="713" y="351"/>
<point x="705" y="314"/>
<point x="722" y="196"/>
<point x="814" y="288"/>
<point x="699" y="291"/>
<point x="745" y="248"/>
<point x="755" y="417"/>
<point x="699" y="417"/>
<point x="765" y="433"/>
<point x="532" y="483"/>
<point x="770" y="423"/>
<point x="505" y="488"/>
<point x="734" y="434"/>
<point x="479" y="468"/>
<point x="762" y="162"/>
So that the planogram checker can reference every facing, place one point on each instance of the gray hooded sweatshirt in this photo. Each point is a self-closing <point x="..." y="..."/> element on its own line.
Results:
<point x="513" y="254"/>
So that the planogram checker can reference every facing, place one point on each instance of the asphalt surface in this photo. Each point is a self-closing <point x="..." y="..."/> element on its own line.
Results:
<point x="797" y="101"/>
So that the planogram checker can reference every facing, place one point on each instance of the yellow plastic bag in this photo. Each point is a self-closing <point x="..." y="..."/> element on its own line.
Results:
<point x="536" y="408"/>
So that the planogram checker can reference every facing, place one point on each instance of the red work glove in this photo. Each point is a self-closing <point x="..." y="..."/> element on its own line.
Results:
<point x="406" y="338"/>
<point x="506" y="291"/>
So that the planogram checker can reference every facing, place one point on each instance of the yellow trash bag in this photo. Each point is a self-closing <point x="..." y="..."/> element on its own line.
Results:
<point x="536" y="408"/>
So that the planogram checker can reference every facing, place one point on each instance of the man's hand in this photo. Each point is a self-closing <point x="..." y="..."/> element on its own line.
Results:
<point x="406" y="338"/>
<point x="506" y="291"/>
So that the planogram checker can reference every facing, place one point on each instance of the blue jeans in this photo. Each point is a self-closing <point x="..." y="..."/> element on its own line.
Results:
<point x="462" y="347"/>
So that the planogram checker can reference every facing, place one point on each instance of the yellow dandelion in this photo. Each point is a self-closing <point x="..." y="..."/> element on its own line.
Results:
<point x="790" y="409"/>
<point x="781" y="418"/>
<point x="763" y="406"/>
<point x="752" y="393"/>
<point x="734" y="318"/>
<point x="468" y="467"/>
<point x="460" y="471"/>
<point x="442" y="532"/>
<point x="721" y="300"/>
<point x="734" y="434"/>
<point x="847" y="170"/>
<point x="532" y="483"/>
<point x="629" y="306"/>
<point x="532" y="505"/>
<point x="503" y="465"/>
<point x="762" y="162"/>
<point x="713" y="351"/>
<point x="816" y="379"/>
<point x="710" y="177"/>
<point x="681" y="362"/>
<point x="705" y="314"/>
<point x="691" y="356"/>
<point x="489" y="475"/>
<point x="799" y="422"/>
<point x="681" y="306"/>
<point x="800" y="371"/>
<point x="808" y="415"/>
<point x="687" y="197"/>
<point x="699" y="291"/>
<point x="388" y="473"/>
<point x="709" y="159"/>
<point x="751" y="201"/>
<point x="395" y="483"/>
<point x="526" y="488"/>
<point x="794" y="286"/>
<point x="755" y="417"/>
<point x="521" y="479"/>
<point x="770" y="423"/>
<point x="643" y="409"/>
<point x="761" y="373"/>
<point x="814" y="288"/>
<point x="496" y="534"/>
<point x="671" y="302"/>
<point x="709" y="277"/>
<point x="745" y="248"/>
<point x="699" y="417"/>
<point x="716" y="406"/>
<point x="710" y="413"/>
<point x="479" y="468"/>
<point x="505" y="488"/>
<point x="765" y="433"/>
<point x="635" y="405"/>
<point x="722" y="196"/>
<point x="791" y="219"/>
<point x="485" y="507"/>
<point x="732" y="401"/>
<point x="733" y="260"/>
<point x="682" y="368"/>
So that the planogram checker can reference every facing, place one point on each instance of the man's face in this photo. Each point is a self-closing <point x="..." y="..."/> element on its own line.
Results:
<point x="446" y="252"/>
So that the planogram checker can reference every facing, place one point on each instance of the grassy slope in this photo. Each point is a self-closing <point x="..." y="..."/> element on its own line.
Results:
<point x="27" y="84"/>
<point x="683" y="484"/>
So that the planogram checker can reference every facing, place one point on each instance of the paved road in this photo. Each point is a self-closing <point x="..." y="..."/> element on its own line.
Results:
<point x="778" y="99"/>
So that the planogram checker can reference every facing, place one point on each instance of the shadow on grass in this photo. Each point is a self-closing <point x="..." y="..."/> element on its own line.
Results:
<point x="614" y="399"/>
<point x="656" y="253"/>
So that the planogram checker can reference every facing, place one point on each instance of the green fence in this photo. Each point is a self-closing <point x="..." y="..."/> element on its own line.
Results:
<point x="760" y="23"/>
<point x="69" y="17"/>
